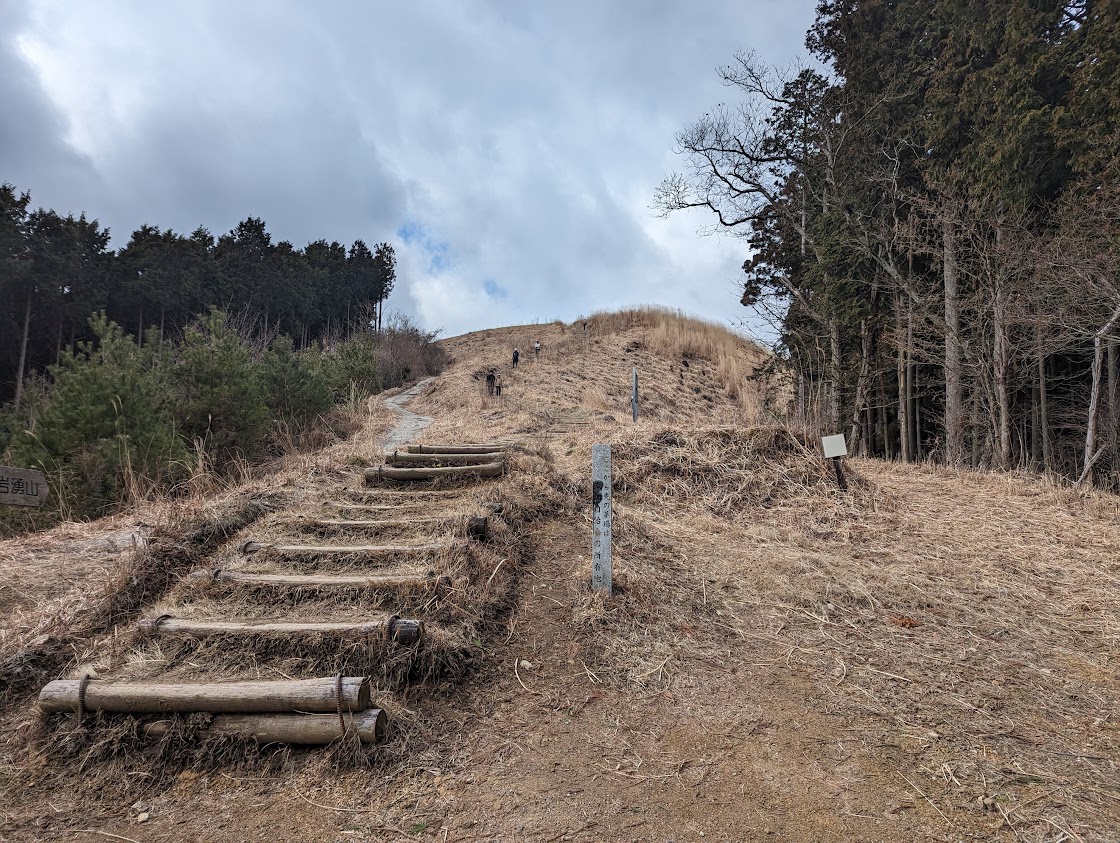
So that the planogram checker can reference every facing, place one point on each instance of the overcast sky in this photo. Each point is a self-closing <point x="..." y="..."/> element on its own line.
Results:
<point x="509" y="150"/>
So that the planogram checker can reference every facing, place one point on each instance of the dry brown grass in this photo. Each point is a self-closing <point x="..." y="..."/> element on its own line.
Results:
<point x="968" y="621"/>
<point x="931" y="656"/>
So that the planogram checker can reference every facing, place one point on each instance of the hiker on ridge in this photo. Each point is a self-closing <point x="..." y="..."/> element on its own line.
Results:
<point x="516" y="357"/>
<point x="491" y="380"/>
<point x="537" y="350"/>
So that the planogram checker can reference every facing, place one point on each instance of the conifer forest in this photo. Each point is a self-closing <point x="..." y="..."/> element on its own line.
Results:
<point x="933" y="214"/>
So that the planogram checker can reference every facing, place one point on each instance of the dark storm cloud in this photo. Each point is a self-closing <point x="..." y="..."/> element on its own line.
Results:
<point x="33" y="147"/>
<point x="509" y="149"/>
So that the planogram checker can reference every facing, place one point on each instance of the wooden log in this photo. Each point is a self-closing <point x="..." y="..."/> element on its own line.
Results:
<point x="265" y="696"/>
<point x="384" y="472"/>
<point x="370" y="522"/>
<point x="381" y="507"/>
<point x="406" y="497"/>
<point x="419" y="581"/>
<point x="251" y="547"/>
<point x="406" y="459"/>
<point x="456" y="449"/>
<point x="392" y="629"/>
<point x="310" y="729"/>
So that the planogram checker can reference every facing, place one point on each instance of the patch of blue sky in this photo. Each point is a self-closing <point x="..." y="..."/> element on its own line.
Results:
<point x="438" y="252"/>
<point x="494" y="290"/>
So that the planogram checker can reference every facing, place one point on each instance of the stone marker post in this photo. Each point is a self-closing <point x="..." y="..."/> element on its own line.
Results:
<point x="634" y="396"/>
<point x="601" y="518"/>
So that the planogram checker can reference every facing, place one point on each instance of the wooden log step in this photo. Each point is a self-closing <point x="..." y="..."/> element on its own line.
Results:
<point x="407" y="496"/>
<point x="402" y="458"/>
<point x="392" y="629"/>
<point x="427" y="581"/>
<point x="251" y="547"/>
<point x="264" y="696"/>
<point x="381" y="507"/>
<point x="372" y="522"/>
<point x="385" y="472"/>
<point x="308" y="729"/>
<point x="493" y="448"/>
<point x="477" y="527"/>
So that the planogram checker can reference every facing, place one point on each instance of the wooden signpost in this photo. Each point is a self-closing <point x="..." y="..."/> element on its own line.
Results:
<point x="22" y="486"/>
<point x="634" y="396"/>
<point x="601" y="518"/>
<point x="834" y="449"/>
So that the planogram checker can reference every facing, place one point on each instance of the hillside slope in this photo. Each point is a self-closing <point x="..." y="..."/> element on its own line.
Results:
<point x="930" y="657"/>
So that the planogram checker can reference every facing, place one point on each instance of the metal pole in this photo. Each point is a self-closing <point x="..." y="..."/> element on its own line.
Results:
<point x="601" y="518"/>
<point x="634" y="396"/>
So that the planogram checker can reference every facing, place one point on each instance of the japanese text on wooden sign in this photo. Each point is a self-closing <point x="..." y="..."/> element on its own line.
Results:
<point x="22" y="486"/>
<point x="601" y="518"/>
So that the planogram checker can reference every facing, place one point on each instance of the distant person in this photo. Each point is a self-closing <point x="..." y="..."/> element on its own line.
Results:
<point x="491" y="382"/>
<point x="537" y="350"/>
<point x="516" y="357"/>
<point x="498" y="387"/>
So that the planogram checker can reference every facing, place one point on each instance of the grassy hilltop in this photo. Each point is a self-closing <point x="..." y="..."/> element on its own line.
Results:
<point x="930" y="657"/>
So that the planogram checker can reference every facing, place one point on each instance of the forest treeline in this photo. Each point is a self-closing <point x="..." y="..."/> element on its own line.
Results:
<point x="55" y="271"/>
<point x="934" y="218"/>
<point x="177" y="359"/>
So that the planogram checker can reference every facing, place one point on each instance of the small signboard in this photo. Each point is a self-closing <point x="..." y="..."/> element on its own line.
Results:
<point x="22" y="486"/>
<point x="834" y="446"/>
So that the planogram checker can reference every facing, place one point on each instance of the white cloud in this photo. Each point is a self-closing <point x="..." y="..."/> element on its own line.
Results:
<point x="526" y="138"/>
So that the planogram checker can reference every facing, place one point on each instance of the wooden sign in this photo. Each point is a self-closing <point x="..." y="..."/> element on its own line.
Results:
<point x="22" y="486"/>
<point x="601" y="518"/>
<point x="835" y="448"/>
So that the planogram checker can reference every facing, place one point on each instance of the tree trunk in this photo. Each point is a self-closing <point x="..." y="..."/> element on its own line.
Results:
<point x="953" y="427"/>
<point x="975" y="424"/>
<point x="1043" y="413"/>
<point x="902" y="373"/>
<point x="834" y="376"/>
<point x="802" y="397"/>
<point x="23" y="350"/>
<point x="854" y="439"/>
<point x="1092" y="452"/>
<point x="916" y="415"/>
<point x="1113" y="399"/>
<point x="1000" y="365"/>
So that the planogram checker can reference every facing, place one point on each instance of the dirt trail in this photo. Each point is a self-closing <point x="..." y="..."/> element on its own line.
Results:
<point x="409" y="424"/>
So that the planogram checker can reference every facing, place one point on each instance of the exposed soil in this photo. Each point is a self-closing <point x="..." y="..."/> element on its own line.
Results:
<point x="931" y="657"/>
